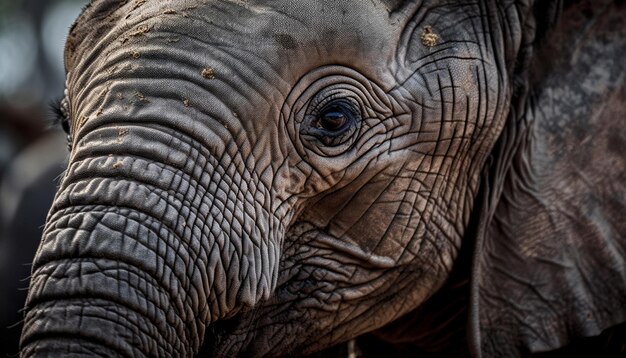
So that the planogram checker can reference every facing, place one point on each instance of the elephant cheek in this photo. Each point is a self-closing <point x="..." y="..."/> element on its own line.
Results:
<point x="142" y="250"/>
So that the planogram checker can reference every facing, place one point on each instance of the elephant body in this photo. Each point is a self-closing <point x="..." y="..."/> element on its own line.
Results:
<point x="272" y="178"/>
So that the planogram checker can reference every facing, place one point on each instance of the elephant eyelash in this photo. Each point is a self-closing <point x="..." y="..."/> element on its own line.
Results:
<point x="57" y="114"/>
<point x="60" y="116"/>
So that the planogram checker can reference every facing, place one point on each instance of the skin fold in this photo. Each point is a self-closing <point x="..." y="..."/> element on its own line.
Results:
<point x="271" y="178"/>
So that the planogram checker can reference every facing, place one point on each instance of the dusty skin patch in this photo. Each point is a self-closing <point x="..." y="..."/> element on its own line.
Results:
<point x="118" y="164"/>
<point x="82" y="121"/>
<point x="121" y="133"/>
<point x="140" y="96"/>
<point x="208" y="73"/>
<point x="170" y="12"/>
<point x="429" y="38"/>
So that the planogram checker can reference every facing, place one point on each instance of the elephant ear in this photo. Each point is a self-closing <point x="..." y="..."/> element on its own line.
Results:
<point x="550" y="261"/>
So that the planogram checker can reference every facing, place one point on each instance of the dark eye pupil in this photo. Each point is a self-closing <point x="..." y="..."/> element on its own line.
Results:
<point x="66" y="126"/>
<point x="332" y="120"/>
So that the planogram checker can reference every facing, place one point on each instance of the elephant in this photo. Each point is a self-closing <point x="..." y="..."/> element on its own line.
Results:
<point x="273" y="178"/>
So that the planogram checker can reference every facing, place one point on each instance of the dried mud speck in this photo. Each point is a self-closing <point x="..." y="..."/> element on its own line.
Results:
<point x="428" y="37"/>
<point x="135" y="54"/>
<point x="138" y="4"/>
<point x="82" y="121"/>
<point x="208" y="73"/>
<point x="186" y="102"/>
<point x="140" y="96"/>
<point x="141" y="31"/>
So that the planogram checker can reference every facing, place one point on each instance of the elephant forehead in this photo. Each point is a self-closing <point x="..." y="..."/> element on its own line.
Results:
<point x="297" y="36"/>
<point x="290" y="36"/>
<point x="385" y="40"/>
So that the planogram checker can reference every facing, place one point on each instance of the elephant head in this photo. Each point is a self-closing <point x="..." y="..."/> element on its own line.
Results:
<point x="276" y="177"/>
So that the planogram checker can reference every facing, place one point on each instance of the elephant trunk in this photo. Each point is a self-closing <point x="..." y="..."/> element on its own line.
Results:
<point x="152" y="237"/>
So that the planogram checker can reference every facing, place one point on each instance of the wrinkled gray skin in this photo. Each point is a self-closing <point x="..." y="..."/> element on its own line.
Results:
<point x="204" y="205"/>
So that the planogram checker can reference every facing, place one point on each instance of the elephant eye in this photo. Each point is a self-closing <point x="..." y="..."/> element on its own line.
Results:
<point x="332" y="119"/>
<point x="333" y="124"/>
<point x="335" y="117"/>
<point x="60" y="110"/>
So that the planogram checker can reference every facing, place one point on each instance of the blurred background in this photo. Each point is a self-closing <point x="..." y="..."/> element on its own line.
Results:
<point x="32" y="151"/>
